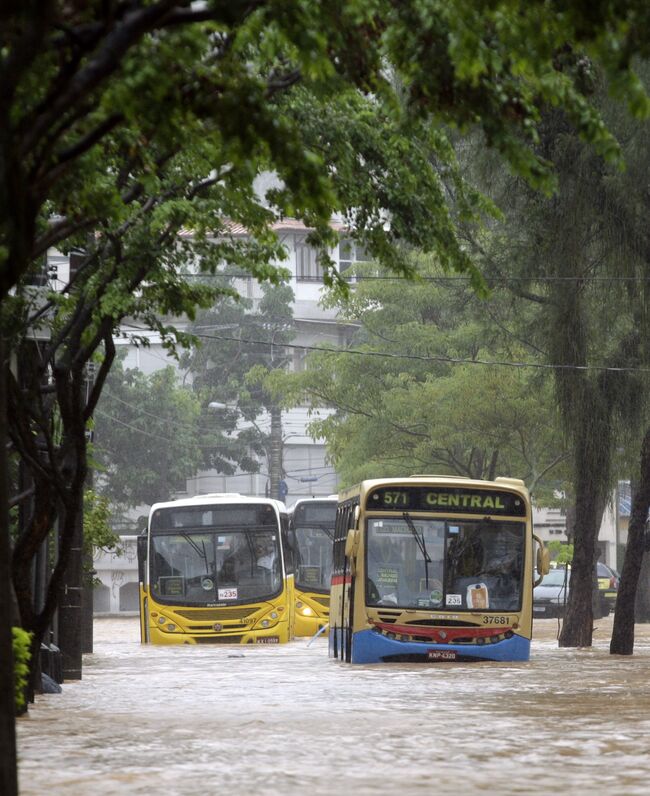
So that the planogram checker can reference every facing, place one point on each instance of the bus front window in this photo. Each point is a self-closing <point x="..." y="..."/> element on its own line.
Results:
<point x="220" y="567"/>
<point x="314" y="558"/>
<point x="179" y="560"/>
<point x="415" y="562"/>
<point x="405" y="562"/>
<point x="485" y="565"/>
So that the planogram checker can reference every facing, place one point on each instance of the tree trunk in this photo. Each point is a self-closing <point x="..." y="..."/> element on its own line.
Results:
<point x="642" y="601"/>
<point x="622" y="642"/>
<point x="88" y="574"/>
<point x="8" y="763"/>
<point x="590" y="504"/>
<point x="87" y="603"/>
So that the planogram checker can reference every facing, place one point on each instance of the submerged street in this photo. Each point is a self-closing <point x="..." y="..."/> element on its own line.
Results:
<point x="286" y="719"/>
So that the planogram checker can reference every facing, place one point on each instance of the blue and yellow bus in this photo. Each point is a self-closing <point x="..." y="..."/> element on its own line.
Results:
<point x="216" y="569"/>
<point x="431" y="568"/>
<point x="311" y="524"/>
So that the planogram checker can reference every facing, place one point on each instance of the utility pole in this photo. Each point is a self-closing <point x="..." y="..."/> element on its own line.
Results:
<point x="71" y="641"/>
<point x="275" y="457"/>
<point x="70" y="606"/>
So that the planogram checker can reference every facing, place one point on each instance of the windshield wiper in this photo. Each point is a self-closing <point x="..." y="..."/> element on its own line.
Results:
<point x="201" y="553"/>
<point x="421" y="544"/>
<point x="251" y="550"/>
<point x="327" y="531"/>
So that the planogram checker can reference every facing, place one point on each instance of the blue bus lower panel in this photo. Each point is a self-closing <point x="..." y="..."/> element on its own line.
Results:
<point x="368" y="646"/>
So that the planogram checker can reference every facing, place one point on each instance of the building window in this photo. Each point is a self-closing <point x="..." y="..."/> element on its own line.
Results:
<point x="299" y="357"/>
<point x="350" y="253"/>
<point x="307" y="267"/>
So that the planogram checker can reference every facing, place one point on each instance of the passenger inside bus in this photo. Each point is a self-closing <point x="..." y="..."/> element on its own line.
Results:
<point x="485" y="566"/>
<point x="236" y="560"/>
<point x="265" y="553"/>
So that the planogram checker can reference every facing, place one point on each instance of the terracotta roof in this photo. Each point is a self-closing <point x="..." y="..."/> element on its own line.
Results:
<point x="285" y="225"/>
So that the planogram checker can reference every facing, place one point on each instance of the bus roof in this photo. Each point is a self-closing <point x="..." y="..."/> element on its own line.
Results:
<point x="313" y="499"/>
<point x="510" y="484"/>
<point x="217" y="499"/>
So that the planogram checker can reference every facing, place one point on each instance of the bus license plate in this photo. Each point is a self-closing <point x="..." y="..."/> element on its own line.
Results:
<point x="268" y="640"/>
<point x="441" y="655"/>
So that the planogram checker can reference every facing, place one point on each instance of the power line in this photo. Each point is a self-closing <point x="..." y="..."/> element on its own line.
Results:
<point x="456" y="278"/>
<point x="424" y="357"/>
<point x="163" y="438"/>
<point x="142" y="431"/>
<point x="287" y="424"/>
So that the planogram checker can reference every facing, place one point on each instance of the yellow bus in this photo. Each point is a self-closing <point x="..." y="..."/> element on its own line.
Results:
<point x="430" y="568"/>
<point x="216" y="569"/>
<point x="311" y="527"/>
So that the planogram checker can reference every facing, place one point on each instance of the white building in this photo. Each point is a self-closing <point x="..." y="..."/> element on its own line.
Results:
<point x="118" y="591"/>
<point x="550" y="525"/>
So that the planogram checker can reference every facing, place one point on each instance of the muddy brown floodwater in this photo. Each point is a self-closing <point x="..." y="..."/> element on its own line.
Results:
<point x="287" y="720"/>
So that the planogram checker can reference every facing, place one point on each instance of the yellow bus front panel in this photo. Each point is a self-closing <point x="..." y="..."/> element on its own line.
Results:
<point x="312" y="613"/>
<point x="214" y="570"/>
<point x="264" y="623"/>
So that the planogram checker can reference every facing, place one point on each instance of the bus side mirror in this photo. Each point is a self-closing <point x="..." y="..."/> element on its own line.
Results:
<point x="351" y="547"/>
<point x="543" y="560"/>
<point x="352" y="543"/>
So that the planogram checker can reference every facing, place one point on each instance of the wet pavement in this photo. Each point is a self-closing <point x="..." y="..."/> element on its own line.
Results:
<point x="188" y="720"/>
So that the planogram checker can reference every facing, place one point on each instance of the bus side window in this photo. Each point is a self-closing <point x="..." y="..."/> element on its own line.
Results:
<point x="142" y="556"/>
<point x="287" y="546"/>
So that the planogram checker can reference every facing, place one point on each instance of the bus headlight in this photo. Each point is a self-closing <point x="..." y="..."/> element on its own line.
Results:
<point x="167" y="626"/>
<point x="269" y="620"/>
<point x="305" y="610"/>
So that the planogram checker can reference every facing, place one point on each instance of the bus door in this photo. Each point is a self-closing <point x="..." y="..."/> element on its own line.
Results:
<point x="347" y="538"/>
<point x="142" y="541"/>
<point x="288" y="555"/>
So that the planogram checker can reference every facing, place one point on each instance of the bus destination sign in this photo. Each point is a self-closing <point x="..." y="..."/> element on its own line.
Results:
<point x="446" y="499"/>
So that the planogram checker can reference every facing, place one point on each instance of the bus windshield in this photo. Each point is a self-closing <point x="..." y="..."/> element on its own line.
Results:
<point x="414" y="562"/>
<point x="314" y="558"/>
<point x="216" y="567"/>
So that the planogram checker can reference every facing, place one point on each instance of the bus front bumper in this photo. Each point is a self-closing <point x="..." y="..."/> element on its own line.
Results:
<point x="369" y="646"/>
<point x="278" y="634"/>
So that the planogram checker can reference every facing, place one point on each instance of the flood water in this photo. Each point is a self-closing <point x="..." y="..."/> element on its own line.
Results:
<point x="199" y="720"/>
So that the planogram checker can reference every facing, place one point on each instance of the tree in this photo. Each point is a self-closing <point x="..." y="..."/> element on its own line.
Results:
<point x="622" y="642"/>
<point x="82" y="73"/>
<point x="238" y="346"/>
<point x="163" y="420"/>
<point x="561" y="552"/>
<point x="581" y="258"/>
<point x="418" y="390"/>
